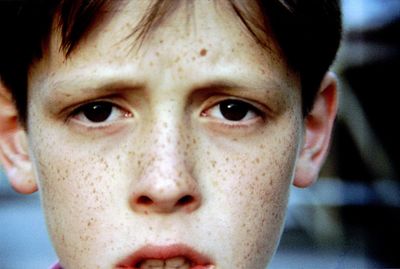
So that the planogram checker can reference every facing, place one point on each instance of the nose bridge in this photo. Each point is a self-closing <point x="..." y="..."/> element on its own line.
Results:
<point x="166" y="183"/>
<point x="165" y="133"/>
<point x="166" y="164"/>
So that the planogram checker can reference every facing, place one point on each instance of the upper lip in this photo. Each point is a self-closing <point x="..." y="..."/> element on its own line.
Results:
<point x="163" y="253"/>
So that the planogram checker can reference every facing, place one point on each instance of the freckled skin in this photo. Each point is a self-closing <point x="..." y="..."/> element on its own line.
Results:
<point x="203" y="52"/>
<point x="94" y="184"/>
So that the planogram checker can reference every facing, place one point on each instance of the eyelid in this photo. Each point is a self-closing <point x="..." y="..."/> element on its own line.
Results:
<point x="116" y="104"/>
<point x="262" y="110"/>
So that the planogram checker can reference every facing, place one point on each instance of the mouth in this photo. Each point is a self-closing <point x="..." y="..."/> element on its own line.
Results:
<point x="175" y="256"/>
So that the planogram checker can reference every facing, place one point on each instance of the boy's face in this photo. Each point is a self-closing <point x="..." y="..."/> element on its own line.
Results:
<point x="162" y="159"/>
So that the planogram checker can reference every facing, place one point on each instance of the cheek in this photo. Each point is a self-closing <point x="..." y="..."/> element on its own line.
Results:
<point x="260" y="210"/>
<point x="249" y="186"/>
<point x="76" y="196"/>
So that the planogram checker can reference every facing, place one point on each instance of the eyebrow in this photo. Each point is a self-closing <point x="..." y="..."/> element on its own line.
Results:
<point x="110" y="80"/>
<point x="110" y="84"/>
<point x="102" y="86"/>
<point x="230" y="84"/>
<point x="268" y="89"/>
<point x="88" y="81"/>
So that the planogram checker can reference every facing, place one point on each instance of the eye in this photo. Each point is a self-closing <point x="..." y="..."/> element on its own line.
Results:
<point x="99" y="112"/>
<point x="233" y="110"/>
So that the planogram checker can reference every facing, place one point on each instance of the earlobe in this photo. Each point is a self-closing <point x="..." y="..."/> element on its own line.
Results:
<point x="14" y="155"/>
<point x="318" y="128"/>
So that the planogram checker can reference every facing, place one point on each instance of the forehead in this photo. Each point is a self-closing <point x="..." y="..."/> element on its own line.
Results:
<point x="194" y="35"/>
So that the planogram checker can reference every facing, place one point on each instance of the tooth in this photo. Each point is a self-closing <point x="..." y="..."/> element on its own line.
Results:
<point x="175" y="262"/>
<point x="152" y="264"/>
<point x="144" y="266"/>
<point x="184" y="266"/>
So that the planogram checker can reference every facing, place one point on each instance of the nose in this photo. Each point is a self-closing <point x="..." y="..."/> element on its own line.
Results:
<point x="170" y="199"/>
<point x="166" y="185"/>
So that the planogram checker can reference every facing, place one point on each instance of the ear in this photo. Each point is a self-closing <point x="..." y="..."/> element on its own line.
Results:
<point x="318" y="128"/>
<point x="14" y="147"/>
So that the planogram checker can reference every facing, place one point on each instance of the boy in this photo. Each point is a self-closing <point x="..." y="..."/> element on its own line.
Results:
<point x="166" y="134"/>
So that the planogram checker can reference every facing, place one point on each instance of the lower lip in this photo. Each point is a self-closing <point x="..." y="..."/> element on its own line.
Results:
<point x="196" y="267"/>
<point x="167" y="252"/>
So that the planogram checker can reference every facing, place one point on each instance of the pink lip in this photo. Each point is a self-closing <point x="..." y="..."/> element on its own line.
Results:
<point x="198" y="261"/>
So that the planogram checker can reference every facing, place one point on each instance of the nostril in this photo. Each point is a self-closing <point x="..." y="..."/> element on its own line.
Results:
<point x="144" y="200"/>
<point x="187" y="199"/>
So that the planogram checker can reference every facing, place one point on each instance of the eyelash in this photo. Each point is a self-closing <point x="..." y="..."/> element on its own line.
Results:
<point x="240" y="110"/>
<point x="103" y="123"/>
<point x="242" y="120"/>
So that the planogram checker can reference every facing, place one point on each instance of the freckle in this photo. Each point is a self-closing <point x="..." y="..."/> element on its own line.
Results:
<point x="203" y="52"/>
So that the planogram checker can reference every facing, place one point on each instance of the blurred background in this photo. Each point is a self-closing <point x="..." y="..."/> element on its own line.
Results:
<point x="351" y="217"/>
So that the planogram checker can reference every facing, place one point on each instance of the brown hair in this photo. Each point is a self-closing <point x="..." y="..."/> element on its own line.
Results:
<point x="307" y="31"/>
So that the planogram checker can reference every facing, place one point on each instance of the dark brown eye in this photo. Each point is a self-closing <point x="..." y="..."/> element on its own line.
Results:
<point x="97" y="111"/>
<point x="235" y="110"/>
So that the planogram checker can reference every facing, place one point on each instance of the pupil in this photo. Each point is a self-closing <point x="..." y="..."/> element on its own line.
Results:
<point x="97" y="112"/>
<point x="234" y="110"/>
